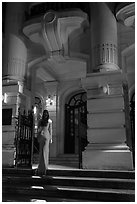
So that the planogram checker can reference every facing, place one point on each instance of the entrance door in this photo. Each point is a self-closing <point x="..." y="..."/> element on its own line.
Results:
<point x="76" y="125"/>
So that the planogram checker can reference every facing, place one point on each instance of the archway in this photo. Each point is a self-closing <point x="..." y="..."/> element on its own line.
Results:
<point x="76" y="124"/>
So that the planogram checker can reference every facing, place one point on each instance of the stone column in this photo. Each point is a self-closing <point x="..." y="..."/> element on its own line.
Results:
<point x="106" y="120"/>
<point x="15" y="51"/>
<point x="103" y="38"/>
<point x="14" y="67"/>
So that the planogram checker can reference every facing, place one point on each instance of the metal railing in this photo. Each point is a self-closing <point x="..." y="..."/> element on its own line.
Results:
<point x="24" y="139"/>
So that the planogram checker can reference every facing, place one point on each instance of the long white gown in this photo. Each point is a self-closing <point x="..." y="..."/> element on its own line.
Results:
<point x="44" y="140"/>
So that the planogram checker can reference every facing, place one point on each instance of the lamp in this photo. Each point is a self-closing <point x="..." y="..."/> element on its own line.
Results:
<point x="49" y="101"/>
<point x="5" y="97"/>
<point x="35" y="109"/>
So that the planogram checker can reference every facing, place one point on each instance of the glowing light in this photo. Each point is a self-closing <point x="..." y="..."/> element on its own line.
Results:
<point x="35" y="110"/>
<point x="37" y="187"/>
<point x="36" y="200"/>
<point x="5" y="97"/>
<point x="49" y="101"/>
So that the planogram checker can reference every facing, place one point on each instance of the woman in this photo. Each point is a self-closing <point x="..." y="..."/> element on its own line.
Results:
<point x="44" y="138"/>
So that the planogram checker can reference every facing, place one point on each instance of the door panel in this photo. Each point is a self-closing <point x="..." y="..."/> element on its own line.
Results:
<point x="76" y="125"/>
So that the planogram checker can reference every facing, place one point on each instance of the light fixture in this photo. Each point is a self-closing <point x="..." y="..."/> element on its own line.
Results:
<point x="49" y="101"/>
<point x="106" y="89"/>
<point x="35" y="109"/>
<point x="5" y="97"/>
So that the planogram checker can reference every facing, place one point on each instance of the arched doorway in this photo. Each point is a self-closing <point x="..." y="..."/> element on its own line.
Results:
<point x="76" y="124"/>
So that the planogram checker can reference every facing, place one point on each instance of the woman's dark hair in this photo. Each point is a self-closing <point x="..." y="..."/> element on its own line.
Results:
<point x="45" y="118"/>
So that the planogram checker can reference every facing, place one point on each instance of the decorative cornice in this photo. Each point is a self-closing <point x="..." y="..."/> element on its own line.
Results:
<point x="126" y="15"/>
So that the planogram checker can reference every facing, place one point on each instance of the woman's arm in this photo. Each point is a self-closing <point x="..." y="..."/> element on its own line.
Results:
<point x="50" y="130"/>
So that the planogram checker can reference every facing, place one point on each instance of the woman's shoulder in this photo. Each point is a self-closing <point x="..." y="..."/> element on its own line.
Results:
<point x="49" y="121"/>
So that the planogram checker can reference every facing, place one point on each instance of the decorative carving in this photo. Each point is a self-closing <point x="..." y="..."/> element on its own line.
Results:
<point x="16" y="67"/>
<point x="54" y="30"/>
<point x="106" y="54"/>
<point x="53" y="44"/>
<point x="56" y="27"/>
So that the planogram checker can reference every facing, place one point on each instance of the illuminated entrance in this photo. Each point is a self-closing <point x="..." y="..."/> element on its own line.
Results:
<point x="76" y="124"/>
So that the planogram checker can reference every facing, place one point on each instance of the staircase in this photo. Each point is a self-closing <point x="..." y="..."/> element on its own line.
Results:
<point x="68" y="160"/>
<point x="68" y="185"/>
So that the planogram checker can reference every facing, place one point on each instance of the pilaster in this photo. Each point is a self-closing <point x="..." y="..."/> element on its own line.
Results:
<point x="106" y="134"/>
<point x="15" y="98"/>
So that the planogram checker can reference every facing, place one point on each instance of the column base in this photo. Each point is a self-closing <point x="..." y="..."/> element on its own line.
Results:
<point x="107" y="67"/>
<point x="107" y="160"/>
<point x="8" y="157"/>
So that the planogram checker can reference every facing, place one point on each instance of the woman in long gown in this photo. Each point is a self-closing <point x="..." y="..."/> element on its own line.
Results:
<point x="44" y="138"/>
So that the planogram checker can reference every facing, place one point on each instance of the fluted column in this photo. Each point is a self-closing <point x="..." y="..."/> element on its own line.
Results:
<point x="15" y="52"/>
<point x="104" y="38"/>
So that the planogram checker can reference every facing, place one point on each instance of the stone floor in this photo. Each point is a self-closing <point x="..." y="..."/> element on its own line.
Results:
<point x="55" y="166"/>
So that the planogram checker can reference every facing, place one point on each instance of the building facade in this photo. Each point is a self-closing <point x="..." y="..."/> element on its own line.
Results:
<point x="77" y="60"/>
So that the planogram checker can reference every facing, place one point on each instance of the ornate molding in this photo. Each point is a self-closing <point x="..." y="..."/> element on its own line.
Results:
<point x="52" y="42"/>
<point x="126" y="15"/>
<point x="54" y="29"/>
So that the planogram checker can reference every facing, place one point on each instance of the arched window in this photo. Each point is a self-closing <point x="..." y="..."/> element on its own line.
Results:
<point x="76" y="124"/>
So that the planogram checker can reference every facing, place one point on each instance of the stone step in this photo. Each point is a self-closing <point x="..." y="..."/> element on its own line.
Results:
<point x="72" y="181"/>
<point x="17" y="171"/>
<point x="86" y="185"/>
<point x="73" y="172"/>
<point x="28" y="198"/>
<point x="74" y="156"/>
<point x="92" y="173"/>
<point x="71" y="160"/>
<point x="63" y="157"/>
<point x="72" y="192"/>
<point x="66" y="164"/>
